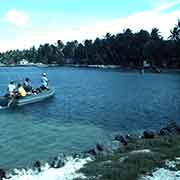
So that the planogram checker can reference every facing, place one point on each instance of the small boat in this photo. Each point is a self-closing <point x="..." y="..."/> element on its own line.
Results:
<point x="29" y="99"/>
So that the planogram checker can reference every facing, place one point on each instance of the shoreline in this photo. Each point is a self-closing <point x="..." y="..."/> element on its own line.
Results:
<point x="114" y="67"/>
<point x="58" y="65"/>
<point x="154" y="155"/>
<point x="122" y="147"/>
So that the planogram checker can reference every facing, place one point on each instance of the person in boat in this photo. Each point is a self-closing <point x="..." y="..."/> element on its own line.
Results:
<point x="44" y="82"/>
<point x="17" y="93"/>
<point x="11" y="88"/>
<point x="21" y="91"/>
<point x="27" y="85"/>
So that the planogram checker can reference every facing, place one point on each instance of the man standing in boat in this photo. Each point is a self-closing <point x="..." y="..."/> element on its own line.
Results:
<point x="44" y="82"/>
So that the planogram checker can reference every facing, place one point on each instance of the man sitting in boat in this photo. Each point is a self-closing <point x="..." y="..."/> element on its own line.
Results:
<point x="11" y="88"/>
<point x="27" y="85"/>
<point x="45" y="82"/>
<point x="21" y="91"/>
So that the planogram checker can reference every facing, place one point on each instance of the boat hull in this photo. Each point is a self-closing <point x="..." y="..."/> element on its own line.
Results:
<point x="35" y="98"/>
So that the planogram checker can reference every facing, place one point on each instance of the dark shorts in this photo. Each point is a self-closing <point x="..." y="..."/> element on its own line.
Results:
<point x="28" y="88"/>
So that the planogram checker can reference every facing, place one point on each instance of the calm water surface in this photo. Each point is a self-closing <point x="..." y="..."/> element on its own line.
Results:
<point x="90" y="106"/>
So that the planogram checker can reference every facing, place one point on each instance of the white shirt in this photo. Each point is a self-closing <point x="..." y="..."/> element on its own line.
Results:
<point x="44" y="81"/>
<point x="11" y="87"/>
<point x="27" y="83"/>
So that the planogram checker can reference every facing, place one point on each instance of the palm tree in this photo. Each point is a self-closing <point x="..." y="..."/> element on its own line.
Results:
<point x="175" y="32"/>
<point x="155" y="34"/>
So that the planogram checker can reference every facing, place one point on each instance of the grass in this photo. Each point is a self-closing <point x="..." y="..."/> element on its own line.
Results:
<point x="123" y="165"/>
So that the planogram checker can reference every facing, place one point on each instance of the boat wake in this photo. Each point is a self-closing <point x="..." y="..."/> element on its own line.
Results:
<point x="67" y="172"/>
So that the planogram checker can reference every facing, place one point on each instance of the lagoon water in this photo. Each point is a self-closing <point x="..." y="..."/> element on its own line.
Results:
<point x="90" y="106"/>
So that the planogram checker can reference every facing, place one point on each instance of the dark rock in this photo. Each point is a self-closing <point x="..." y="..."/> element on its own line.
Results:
<point x="117" y="137"/>
<point x="122" y="139"/>
<point x="173" y="127"/>
<point x="128" y="137"/>
<point x="164" y="131"/>
<point x="115" y="145"/>
<point x="75" y="155"/>
<point x="92" y="152"/>
<point x="80" y="155"/>
<point x="2" y="174"/>
<point x="148" y="135"/>
<point x="100" y="147"/>
<point x="57" y="162"/>
<point x="37" y="165"/>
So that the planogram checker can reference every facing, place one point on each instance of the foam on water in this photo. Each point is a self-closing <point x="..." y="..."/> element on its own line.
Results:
<point x="67" y="172"/>
<point x="3" y="107"/>
<point x="164" y="174"/>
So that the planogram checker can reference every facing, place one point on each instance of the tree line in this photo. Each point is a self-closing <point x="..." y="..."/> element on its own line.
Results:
<point x="126" y="49"/>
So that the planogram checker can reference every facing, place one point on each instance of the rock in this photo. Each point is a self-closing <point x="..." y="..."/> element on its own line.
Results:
<point x="2" y="174"/>
<point x="103" y="149"/>
<point x="57" y="162"/>
<point x="164" y="131"/>
<point x="148" y="135"/>
<point x="143" y="151"/>
<point x="121" y="139"/>
<point x="75" y="155"/>
<point x="122" y="159"/>
<point x="82" y="155"/>
<point x="37" y="165"/>
<point x="129" y="137"/>
<point x="92" y="152"/>
<point x="173" y="127"/>
<point x="117" y="137"/>
<point x="115" y="145"/>
<point x="100" y="147"/>
<point x="108" y="162"/>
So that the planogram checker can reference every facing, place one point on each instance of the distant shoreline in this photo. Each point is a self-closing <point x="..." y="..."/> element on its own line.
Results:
<point x="90" y="67"/>
<point x="66" y="65"/>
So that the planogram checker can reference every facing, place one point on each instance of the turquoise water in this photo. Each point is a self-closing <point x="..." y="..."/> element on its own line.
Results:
<point x="90" y="106"/>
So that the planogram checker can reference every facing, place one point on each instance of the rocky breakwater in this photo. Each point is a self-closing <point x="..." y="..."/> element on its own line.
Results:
<point x="136" y="157"/>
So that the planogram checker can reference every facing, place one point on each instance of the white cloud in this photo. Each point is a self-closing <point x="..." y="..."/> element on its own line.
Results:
<point x="167" y="5"/>
<point x="141" y="20"/>
<point x="146" y="20"/>
<point x="18" y="18"/>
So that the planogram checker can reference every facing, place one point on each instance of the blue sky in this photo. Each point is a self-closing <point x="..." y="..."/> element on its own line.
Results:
<point x="100" y="8"/>
<point x="24" y="23"/>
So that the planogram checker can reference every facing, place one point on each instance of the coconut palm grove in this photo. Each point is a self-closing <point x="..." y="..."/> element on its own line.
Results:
<point x="126" y="49"/>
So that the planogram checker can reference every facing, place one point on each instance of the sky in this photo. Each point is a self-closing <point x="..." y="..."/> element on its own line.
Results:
<point x="24" y="23"/>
